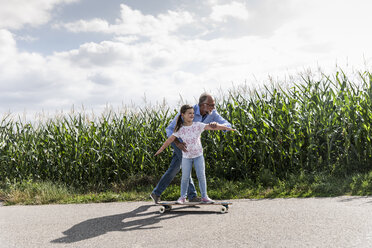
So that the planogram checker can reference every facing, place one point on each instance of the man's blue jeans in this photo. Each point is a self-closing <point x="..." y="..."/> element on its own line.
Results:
<point x="172" y="171"/>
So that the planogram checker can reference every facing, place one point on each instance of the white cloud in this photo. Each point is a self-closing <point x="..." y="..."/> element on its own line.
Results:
<point x="327" y="32"/>
<point x="16" y="14"/>
<point x="27" y="38"/>
<point x="133" y="22"/>
<point x="130" y="66"/>
<point x="29" y="80"/>
<point x="107" y="72"/>
<point x="94" y="25"/>
<point x="7" y="45"/>
<point x="105" y="54"/>
<point x="220" y="13"/>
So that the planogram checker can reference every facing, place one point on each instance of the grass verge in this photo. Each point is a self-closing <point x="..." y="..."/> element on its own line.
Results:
<point x="315" y="185"/>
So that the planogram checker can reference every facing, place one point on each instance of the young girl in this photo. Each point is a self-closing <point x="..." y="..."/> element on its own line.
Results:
<point x="190" y="132"/>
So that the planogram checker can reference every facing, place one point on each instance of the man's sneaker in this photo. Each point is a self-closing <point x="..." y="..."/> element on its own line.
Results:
<point x="181" y="200"/>
<point x="156" y="198"/>
<point x="195" y="199"/>
<point x="207" y="200"/>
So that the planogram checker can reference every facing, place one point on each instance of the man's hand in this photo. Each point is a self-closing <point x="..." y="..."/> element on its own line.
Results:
<point x="181" y="145"/>
<point x="213" y="124"/>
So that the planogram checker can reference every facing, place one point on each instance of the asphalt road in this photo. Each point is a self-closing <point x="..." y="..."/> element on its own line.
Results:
<point x="311" y="222"/>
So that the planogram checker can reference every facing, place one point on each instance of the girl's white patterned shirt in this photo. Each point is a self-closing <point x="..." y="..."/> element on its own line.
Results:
<point x="191" y="136"/>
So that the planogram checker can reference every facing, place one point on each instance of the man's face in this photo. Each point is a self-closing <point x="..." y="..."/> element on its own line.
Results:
<point x="207" y="107"/>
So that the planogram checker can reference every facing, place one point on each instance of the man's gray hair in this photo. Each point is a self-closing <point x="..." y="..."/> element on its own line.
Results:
<point x="203" y="97"/>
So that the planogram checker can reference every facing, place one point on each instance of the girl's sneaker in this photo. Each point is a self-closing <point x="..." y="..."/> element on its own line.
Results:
<point x="206" y="200"/>
<point x="181" y="200"/>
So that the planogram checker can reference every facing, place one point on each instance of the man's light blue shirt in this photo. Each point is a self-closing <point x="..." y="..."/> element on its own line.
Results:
<point x="213" y="117"/>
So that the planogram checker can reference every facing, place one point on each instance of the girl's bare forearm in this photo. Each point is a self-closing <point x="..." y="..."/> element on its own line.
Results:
<point x="166" y="144"/>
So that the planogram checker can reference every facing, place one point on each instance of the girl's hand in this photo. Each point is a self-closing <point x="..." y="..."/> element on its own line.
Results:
<point x="230" y="129"/>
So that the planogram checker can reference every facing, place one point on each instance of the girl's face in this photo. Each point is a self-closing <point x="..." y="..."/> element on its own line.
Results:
<point x="188" y="116"/>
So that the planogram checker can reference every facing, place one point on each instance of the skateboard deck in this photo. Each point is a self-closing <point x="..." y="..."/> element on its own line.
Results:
<point x="167" y="206"/>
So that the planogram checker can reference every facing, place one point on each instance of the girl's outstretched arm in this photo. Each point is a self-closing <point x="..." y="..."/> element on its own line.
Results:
<point x="166" y="144"/>
<point x="216" y="126"/>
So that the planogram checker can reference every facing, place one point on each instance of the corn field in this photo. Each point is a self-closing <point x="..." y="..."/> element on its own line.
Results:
<point x="312" y="126"/>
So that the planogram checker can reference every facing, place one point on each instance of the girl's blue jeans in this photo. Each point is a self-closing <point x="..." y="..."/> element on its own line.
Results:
<point x="200" y="173"/>
<point x="172" y="171"/>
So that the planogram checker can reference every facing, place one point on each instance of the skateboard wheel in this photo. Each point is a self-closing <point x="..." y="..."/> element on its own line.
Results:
<point x="223" y="210"/>
<point x="162" y="209"/>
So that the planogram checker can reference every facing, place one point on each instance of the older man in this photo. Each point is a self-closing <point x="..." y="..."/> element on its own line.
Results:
<point x="204" y="112"/>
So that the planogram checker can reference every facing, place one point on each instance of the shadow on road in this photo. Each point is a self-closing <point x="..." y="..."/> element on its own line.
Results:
<point x="102" y="225"/>
<point x="356" y="198"/>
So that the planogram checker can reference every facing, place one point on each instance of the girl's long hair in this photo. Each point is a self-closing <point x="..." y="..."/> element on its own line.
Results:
<point x="183" y="110"/>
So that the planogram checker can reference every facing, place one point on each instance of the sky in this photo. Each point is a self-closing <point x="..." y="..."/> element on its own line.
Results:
<point x="59" y="55"/>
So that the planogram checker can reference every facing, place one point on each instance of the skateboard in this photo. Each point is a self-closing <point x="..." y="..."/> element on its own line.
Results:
<point x="167" y="206"/>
